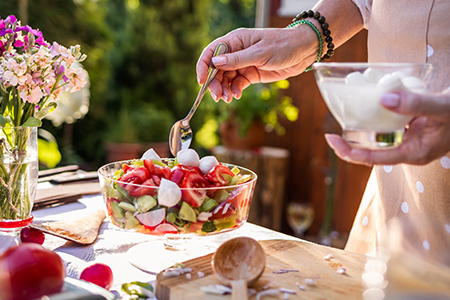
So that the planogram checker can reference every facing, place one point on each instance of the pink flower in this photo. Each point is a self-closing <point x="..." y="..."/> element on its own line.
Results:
<point x="10" y="77"/>
<point x="32" y="96"/>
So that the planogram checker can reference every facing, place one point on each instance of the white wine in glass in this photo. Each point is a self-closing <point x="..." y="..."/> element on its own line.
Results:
<point x="300" y="217"/>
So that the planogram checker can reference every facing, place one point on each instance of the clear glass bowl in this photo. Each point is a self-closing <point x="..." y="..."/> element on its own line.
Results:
<point x="231" y="211"/>
<point x="352" y="93"/>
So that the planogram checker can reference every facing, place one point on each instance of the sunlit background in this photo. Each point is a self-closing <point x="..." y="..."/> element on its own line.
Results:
<point x="141" y="68"/>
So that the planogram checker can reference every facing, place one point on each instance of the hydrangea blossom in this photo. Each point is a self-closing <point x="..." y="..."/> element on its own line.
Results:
<point x="33" y="73"/>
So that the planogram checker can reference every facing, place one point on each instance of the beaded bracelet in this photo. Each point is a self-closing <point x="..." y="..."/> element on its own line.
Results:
<point x="325" y="29"/>
<point x="319" y="36"/>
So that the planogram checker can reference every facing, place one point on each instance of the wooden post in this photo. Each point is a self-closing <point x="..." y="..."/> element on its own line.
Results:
<point x="271" y="166"/>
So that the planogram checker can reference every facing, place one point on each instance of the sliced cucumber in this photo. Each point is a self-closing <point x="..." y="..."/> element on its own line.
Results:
<point x="145" y="203"/>
<point x="127" y="206"/>
<point x="187" y="213"/>
<point x="130" y="221"/>
<point x="118" y="212"/>
<point x="208" y="205"/>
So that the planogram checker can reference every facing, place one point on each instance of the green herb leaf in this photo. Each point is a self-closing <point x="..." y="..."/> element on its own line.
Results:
<point x="32" y="122"/>
<point x="138" y="288"/>
<point x="2" y="121"/>
<point x="208" y="227"/>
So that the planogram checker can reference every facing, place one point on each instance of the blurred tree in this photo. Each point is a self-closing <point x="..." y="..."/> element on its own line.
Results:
<point x="157" y="45"/>
<point x="141" y="62"/>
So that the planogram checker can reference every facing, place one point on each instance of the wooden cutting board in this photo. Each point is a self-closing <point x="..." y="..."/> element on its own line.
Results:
<point x="307" y="258"/>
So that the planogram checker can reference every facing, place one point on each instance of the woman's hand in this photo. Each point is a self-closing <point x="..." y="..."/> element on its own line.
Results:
<point x="427" y="137"/>
<point x="257" y="55"/>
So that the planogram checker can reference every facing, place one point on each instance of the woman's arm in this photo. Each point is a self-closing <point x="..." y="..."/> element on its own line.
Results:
<point x="266" y="55"/>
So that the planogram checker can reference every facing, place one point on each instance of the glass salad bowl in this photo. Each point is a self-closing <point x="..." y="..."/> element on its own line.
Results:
<point x="162" y="196"/>
<point x="352" y="93"/>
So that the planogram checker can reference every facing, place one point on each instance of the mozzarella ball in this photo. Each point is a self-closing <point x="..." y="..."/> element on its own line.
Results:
<point x="188" y="158"/>
<point x="356" y="78"/>
<point x="207" y="163"/>
<point x="151" y="154"/>
<point x="169" y="193"/>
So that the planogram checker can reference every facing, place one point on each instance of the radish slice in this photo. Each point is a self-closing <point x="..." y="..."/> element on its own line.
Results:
<point x="188" y="158"/>
<point x="169" y="193"/>
<point x="151" y="154"/>
<point x="166" y="228"/>
<point x="153" y="217"/>
<point x="204" y="216"/>
<point x="207" y="163"/>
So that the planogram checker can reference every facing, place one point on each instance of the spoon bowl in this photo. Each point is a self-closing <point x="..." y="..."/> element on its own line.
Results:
<point x="180" y="136"/>
<point x="239" y="262"/>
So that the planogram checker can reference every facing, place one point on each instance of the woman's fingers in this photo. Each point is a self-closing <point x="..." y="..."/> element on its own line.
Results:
<point x="406" y="103"/>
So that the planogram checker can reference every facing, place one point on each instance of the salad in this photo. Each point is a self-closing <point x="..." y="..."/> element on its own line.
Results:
<point x="185" y="194"/>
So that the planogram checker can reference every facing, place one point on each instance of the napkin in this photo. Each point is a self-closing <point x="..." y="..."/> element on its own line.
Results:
<point x="83" y="231"/>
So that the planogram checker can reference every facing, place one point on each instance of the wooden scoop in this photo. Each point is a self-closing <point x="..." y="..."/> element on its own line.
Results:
<point x="239" y="262"/>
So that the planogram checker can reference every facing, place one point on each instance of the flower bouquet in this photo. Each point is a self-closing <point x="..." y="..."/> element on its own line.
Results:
<point x="33" y="73"/>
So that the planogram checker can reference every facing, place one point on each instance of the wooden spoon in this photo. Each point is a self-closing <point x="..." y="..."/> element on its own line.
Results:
<point x="239" y="262"/>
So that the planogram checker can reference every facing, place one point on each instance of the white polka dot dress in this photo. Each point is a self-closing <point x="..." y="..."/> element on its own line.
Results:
<point x="407" y="203"/>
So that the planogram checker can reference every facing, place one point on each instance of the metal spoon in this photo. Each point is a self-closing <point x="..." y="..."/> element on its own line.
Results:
<point x="181" y="133"/>
<point x="239" y="262"/>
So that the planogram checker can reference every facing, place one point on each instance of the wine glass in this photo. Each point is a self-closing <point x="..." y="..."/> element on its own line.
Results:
<point x="352" y="93"/>
<point x="174" y="230"/>
<point x="300" y="217"/>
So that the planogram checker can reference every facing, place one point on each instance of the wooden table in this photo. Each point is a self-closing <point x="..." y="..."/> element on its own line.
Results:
<point x="290" y="264"/>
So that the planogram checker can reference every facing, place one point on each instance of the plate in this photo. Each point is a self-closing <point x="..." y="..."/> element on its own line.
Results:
<point x="75" y="289"/>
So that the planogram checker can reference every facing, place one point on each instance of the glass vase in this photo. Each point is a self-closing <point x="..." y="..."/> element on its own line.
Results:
<point x="18" y="177"/>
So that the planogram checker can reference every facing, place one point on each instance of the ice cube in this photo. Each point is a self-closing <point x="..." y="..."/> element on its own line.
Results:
<point x="207" y="163"/>
<point x="390" y="82"/>
<point x="356" y="78"/>
<point x="188" y="158"/>
<point x="413" y="83"/>
<point x="151" y="154"/>
<point x="373" y="75"/>
<point x="169" y="193"/>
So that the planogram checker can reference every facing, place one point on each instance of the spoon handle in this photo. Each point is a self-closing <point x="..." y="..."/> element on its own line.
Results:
<point x="221" y="48"/>
<point x="239" y="289"/>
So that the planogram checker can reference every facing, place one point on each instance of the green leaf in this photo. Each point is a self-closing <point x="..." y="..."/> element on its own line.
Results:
<point x="32" y="122"/>
<point x="128" y="288"/>
<point x="2" y="121"/>
<point x="46" y="110"/>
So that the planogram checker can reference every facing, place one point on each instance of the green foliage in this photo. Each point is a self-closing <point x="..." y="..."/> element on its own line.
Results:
<point x="154" y="68"/>
<point x="141" y="63"/>
<point x="258" y="101"/>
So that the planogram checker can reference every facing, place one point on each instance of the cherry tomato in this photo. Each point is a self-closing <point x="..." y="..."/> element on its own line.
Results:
<point x="219" y="174"/>
<point x="99" y="274"/>
<point x="177" y="174"/>
<point x="146" y="188"/>
<point x="160" y="171"/>
<point x="29" y="271"/>
<point x="136" y="176"/>
<point x="32" y="235"/>
<point x="194" y="179"/>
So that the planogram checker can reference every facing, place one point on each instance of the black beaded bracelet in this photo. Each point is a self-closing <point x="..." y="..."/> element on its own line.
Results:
<point x="325" y="30"/>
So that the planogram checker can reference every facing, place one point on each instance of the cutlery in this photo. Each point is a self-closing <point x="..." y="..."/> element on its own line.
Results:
<point x="180" y="136"/>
